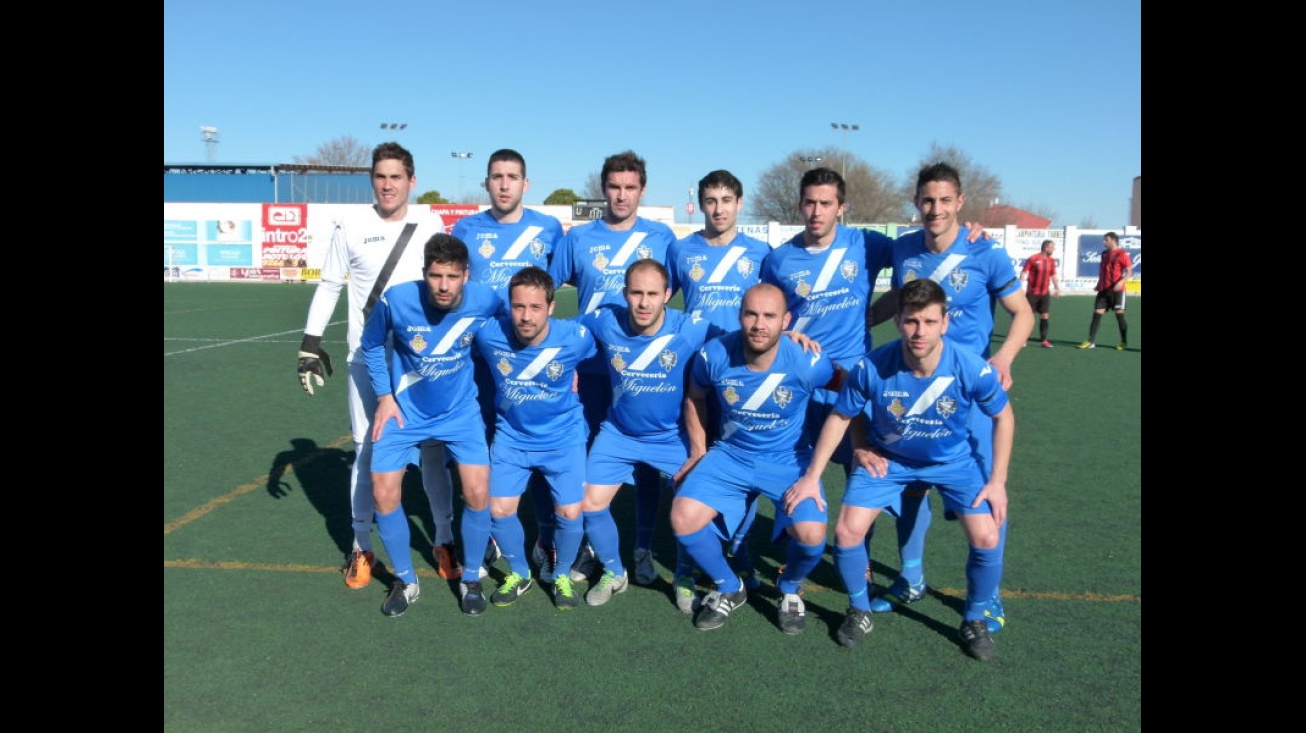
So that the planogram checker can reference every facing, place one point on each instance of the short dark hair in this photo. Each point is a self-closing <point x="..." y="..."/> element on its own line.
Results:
<point x="506" y="154"/>
<point x="1112" y="236"/>
<point x="393" y="151"/>
<point x="445" y="249"/>
<point x="938" y="172"/>
<point x="921" y="293"/>
<point x="648" y="263"/>
<point x="822" y="177"/>
<point x="720" y="179"/>
<point x="622" y="163"/>
<point x="533" y="277"/>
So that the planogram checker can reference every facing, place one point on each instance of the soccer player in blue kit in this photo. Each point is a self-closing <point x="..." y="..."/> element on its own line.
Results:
<point x="917" y="396"/>
<point x="647" y="348"/>
<point x="594" y="257"/>
<point x="762" y="384"/>
<point x="975" y="275"/>
<point x="540" y="426"/>
<point x="417" y="344"/>
<point x="502" y="240"/>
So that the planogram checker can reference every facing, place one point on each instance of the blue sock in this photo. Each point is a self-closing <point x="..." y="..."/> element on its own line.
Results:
<point x="475" y="529"/>
<point x="601" y="529"/>
<point x="395" y="535"/>
<point x="913" y="524"/>
<point x="568" y="536"/>
<point x="851" y="563"/>
<point x="542" y="498"/>
<point x="511" y="537"/>
<point x="705" y="548"/>
<point x="648" y="502"/>
<point x="983" y="576"/>
<point x="799" y="561"/>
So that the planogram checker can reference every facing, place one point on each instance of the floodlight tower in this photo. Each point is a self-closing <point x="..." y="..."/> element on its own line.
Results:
<point x="210" y="135"/>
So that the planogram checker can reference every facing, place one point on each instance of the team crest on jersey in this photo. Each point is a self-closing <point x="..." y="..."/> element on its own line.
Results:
<point x="896" y="409"/>
<point x="804" y="288"/>
<point x="553" y="370"/>
<point x="946" y="406"/>
<point x="782" y="396"/>
<point x="911" y="275"/>
<point x="848" y="269"/>
<point x="487" y="249"/>
<point x="617" y="362"/>
<point x="417" y="343"/>
<point x="696" y="272"/>
<point x="537" y="248"/>
<point x="958" y="279"/>
<point x="744" y="266"/>
<point x="667" y="360"/>
<point x="644" y="251"/>
<point x="601" y="261"/>
<point x="466" y="339"/>
<point x="730" y="395"/>
<point x="504" y="367"/>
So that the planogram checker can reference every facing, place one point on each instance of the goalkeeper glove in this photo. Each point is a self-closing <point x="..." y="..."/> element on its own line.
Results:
<point x="313" y="359"/>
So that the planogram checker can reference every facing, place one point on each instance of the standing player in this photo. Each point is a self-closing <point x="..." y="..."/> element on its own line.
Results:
<point x="417" y="345"/>
<point x="594" y="258"/>
<point x="917" y="394"/>
<point x="712" y="268"/>
<point x="540" y="426"/>
<point x="762" y="384"/>
<point x="358" y="254"/>
<point x="647" y="348"/>
<point x="974" y="274"/>
<point x="503" y="239"/>
<point x="1112" y="274"/>
<point x="1039" y="272"/>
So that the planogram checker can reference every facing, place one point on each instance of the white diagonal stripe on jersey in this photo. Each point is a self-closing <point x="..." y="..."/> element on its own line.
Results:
<point x="595" y="301"/>
<point x="623" y="255"/>
<point x="406" y="381"/>
<point x="452" y="335"/>
<point x="831" y="266"/>
<point x="527" y="235"/>
<point x="651" y="352"/>
<point x="538" y="364"/>
<point x="727" y="262"/>
<point x="949" y="263"/>
<point x="930" y="394"/>
<point x="800" y="325"/>
<point x="763" y="392"/>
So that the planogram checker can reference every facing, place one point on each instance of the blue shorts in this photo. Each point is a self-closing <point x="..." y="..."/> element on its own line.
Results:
<point x="958" y="483"/>
<point x="463" y="435"/>
<point x="613" y="456"/>
<point x="563" y="468"/>
<point x="726" y="478"/>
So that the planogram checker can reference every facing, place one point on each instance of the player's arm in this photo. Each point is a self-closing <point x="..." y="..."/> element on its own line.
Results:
<point x="1022" y="325"/>
<point x="882" y="308"/>
<point x="808" y="486"/>
<point x="695" y="416"/>
<point x="864" y="453"/>
<point x="810" y="345"/>
<point x="995" y="491"/>
<point x="386" y="408"/>
<point x="1056" y="277"/>
<point x="1126" y="270"/>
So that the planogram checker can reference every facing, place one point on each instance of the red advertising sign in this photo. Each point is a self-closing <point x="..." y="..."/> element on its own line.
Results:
<point x="451" y="213"/>
<point x="285" y="235"/>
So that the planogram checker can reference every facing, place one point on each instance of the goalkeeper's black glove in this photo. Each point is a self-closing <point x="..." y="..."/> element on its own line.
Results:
<point x="313" y="360"/>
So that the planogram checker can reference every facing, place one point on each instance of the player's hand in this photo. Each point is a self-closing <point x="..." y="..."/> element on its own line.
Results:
<point x="874" y="463"/>
<point x="800" y="491"/>
<point x="996" y="494"/>
<point x="314" y="363"/>
<point x="809" y="346"/>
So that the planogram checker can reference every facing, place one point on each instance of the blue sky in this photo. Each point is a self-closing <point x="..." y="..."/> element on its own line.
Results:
<point x="1048" y="96"/>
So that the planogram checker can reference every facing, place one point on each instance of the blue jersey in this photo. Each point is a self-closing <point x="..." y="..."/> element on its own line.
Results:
<point x="921" y="420"/>
<point x="430" y="366"/>
<point x="761" y="412"/>
<point x="713" y="279"/>
<point x="973" y="274"/>
<point x="535" y="405"/>
<point x="499" y="250"/>
<point x="647" y="372"/>
<point x="828" y="290"/>
<point x="594" y="258"/>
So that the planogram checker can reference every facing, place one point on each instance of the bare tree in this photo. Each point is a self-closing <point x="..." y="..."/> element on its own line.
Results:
<point x="594" y="186"/>
<point x="981" y="187"/>
<point x="344" y="150"/>
<point x="870" y="195"/>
